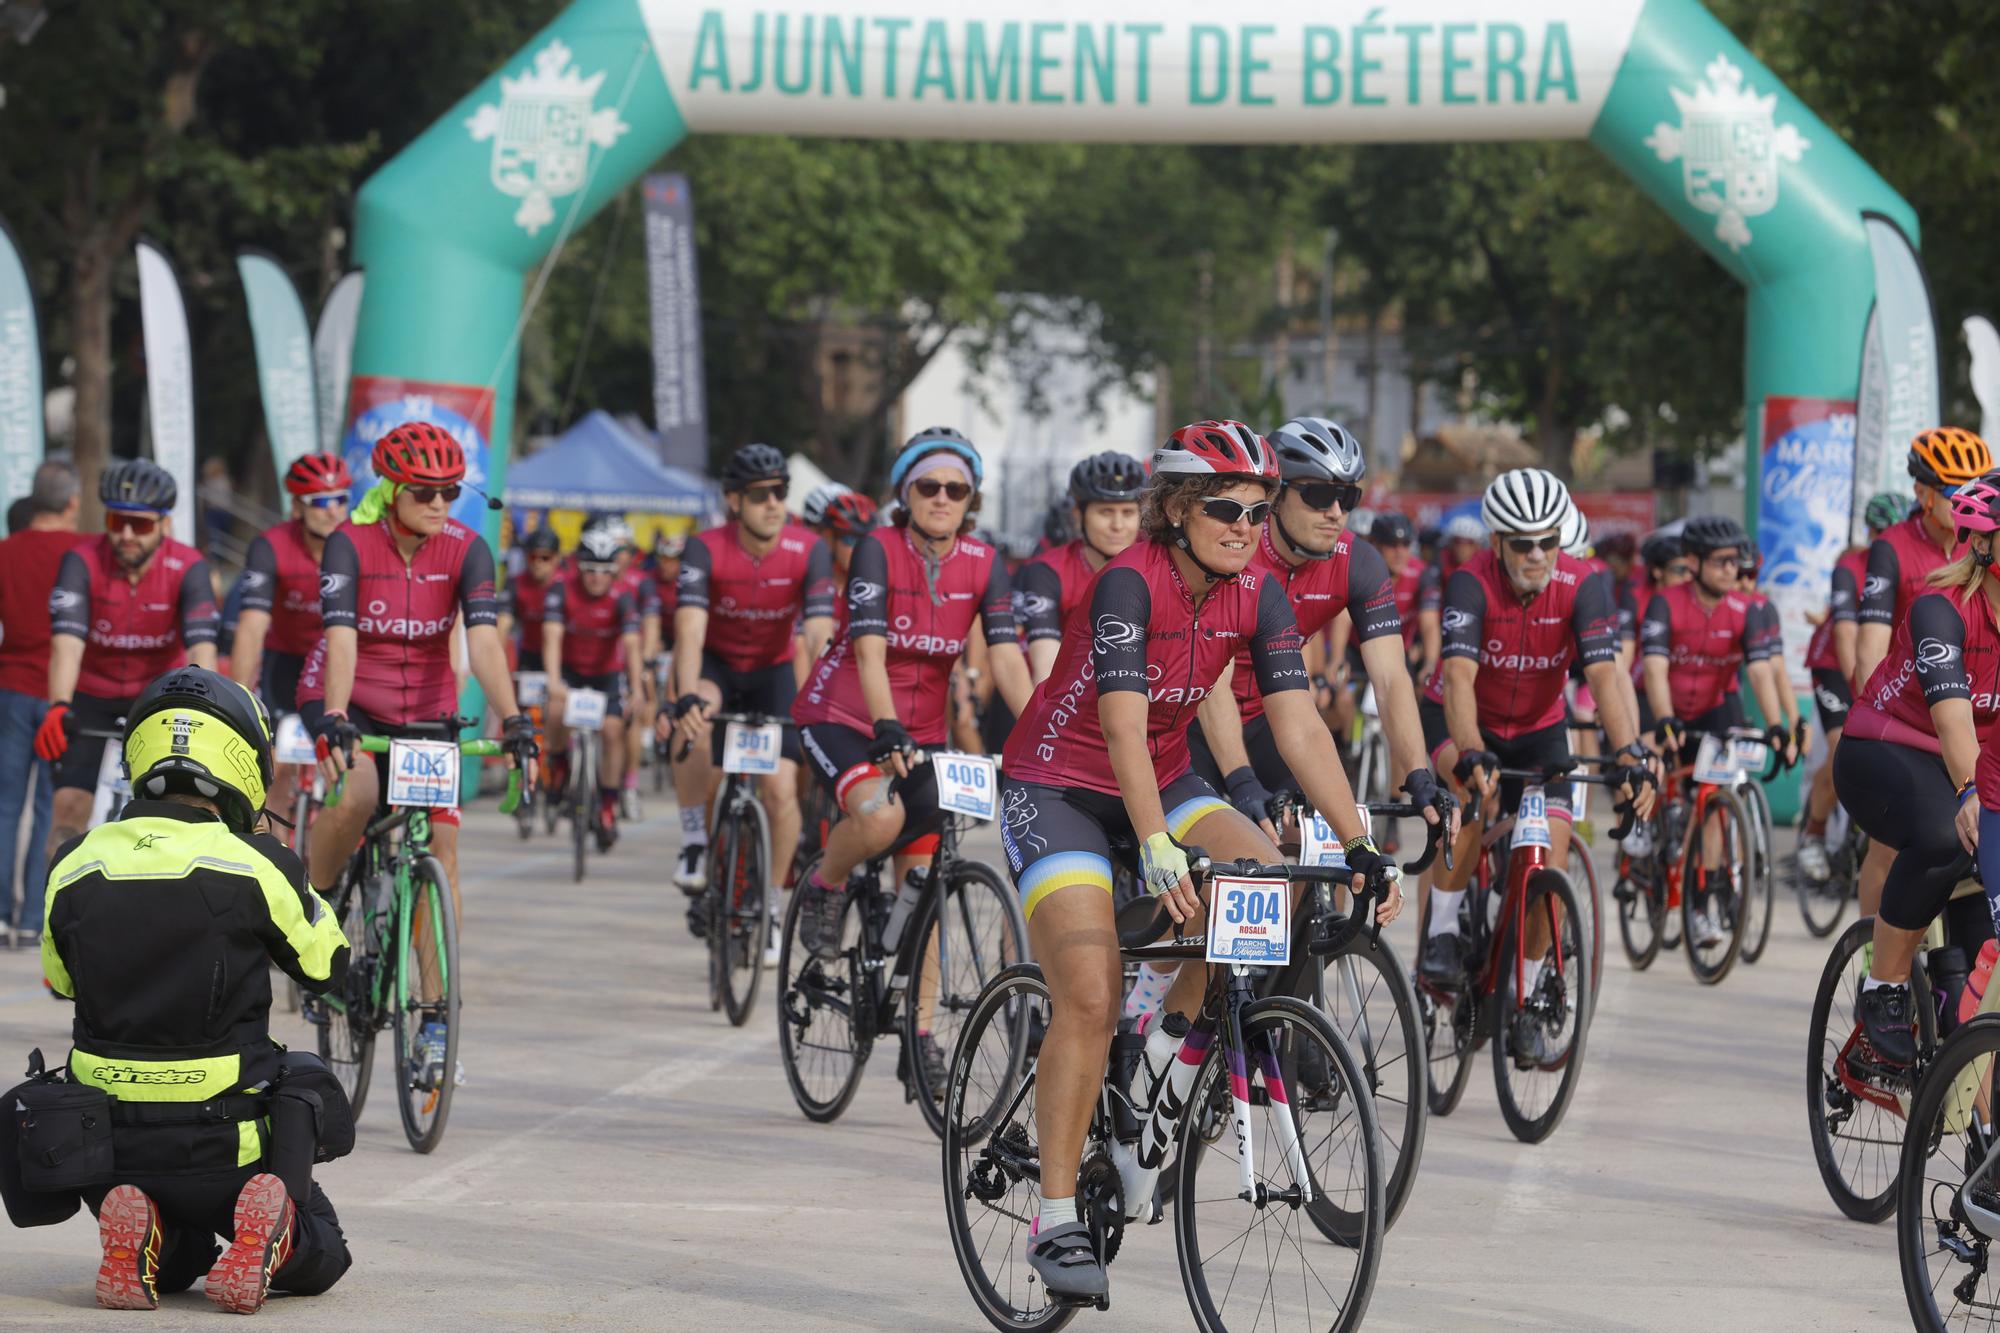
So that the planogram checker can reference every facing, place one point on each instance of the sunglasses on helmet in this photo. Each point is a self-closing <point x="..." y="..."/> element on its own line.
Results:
<point x="954" y="491"/>
<point x="1523" y="545"/>
<point x="1324" y="495"/>
<point x="424" y="495"/>
<point x="1231" y="512"/>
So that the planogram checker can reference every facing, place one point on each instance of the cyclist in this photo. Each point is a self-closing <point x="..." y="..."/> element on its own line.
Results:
<point x="880" y="697"/>
<point x="1770" y="632"/>
<point x="1100" y="757"/>
<point x="1667" y="566"/>
<point x="812" y="512"/>
<point x="1908" y="769"/>
<point x="1104" y="493"/>
<point x="743" y="586"/>
<point x="521" y="601"/>
<point x="1513" y="617"/>
<point x="848" y="519"/>
<point x="1324" y="570"/>
<point x="1830" y="656"/>
<point x="1419" y="592"/>
<point x="279" y="621"/>
<point x="1464" y="538"/>
<point x="126" y="607"/>
<point x="591" y="633"/>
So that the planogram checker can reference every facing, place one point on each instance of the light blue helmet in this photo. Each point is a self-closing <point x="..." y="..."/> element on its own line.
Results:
<point x="932" y="440"/>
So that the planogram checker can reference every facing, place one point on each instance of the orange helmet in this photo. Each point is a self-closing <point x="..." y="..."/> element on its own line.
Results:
<point x="1946" y="456"/>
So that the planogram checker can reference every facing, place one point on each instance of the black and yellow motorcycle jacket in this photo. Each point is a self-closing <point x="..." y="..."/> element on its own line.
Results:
<point x="163" y="925"/>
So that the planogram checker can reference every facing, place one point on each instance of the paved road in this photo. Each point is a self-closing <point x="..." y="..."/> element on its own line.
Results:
<point x="621" y="1157"/>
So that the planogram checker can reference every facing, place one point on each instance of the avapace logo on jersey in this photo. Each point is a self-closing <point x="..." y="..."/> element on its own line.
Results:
<point x="404" y="627"/>
<point x="1495" y="655"/>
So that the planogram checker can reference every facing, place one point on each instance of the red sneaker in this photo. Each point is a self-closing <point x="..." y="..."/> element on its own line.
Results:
<point x="241" y="1278"/>
<point x="128" y="1225"/>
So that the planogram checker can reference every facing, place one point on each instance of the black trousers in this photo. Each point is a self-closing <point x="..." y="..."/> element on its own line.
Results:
<point x="197" y="1208"/>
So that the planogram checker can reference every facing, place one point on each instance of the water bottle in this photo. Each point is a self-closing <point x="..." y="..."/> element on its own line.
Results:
<point x="908" y="895"/>
<point x="1948" y="967"/>
<point x="1976" y="984"/>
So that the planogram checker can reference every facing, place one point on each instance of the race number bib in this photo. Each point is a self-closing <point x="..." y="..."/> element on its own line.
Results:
<point x="583" y="710"/>
<point x="1748" y="756"/>
<point x="1713" y="763"/>
<point x="1250" y="921"/>
<point x="293" y="743"/>
<point x="423" y="773"/>
<point x="747" y="749"/>
<point x="1531" y="821"/>
<point x="965" y="783"/>
<point x="532" y="688"/>
<point x="1319" y="845"/>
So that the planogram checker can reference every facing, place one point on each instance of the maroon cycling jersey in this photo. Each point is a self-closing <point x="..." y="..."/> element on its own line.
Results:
<point x="666" y="597"/>
<point x="524" y="599"/>
<point x="1523" y="648"/>
<point x="1354" y="578"/>
<point x="645" y="593"/>
<point x="1900" y="562"/>
<point x="131" y="632"/>
<point x="925" y="609"/>
<point x="1142" y="631"/>
<point x="404" y="612"/>
<point x="1843" y="603"/>
<point x="1945" y="648"/>
<point x="281" y="578"/>
<point x="1418" y="589"/>
<point x="594" y="628"/>
<point x="1049" y="587"/>
<point x="753" y="602"/>
<point x="1704" y="648"/>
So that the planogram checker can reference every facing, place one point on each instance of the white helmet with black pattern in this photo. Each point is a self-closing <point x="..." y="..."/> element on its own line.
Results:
<point x="1527" y="499"/>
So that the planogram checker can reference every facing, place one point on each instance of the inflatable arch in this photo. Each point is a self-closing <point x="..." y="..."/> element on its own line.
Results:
<point x="449" y="230"/>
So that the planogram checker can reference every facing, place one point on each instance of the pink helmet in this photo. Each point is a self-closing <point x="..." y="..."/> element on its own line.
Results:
<point x="1976" y="506"/>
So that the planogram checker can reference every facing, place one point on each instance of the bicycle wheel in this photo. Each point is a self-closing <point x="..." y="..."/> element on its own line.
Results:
<point x="1540" y="1023"/>
<point x="1761" y="894"/>
<point x="1450" y="1019"/>
<point x="1855" y="1104"/>
<point x="1642" y="909"/>
<point x="1373" y="1008"/>
<point x="826" y="1024"/>
<point x="1823" y="904"/>
<point x="1712" y="920"/>
<point x="582" y="802"/>
<point x="345" y="1021"/>
<point x="975" y="931"/>
<point x="429" y="934"/>
<point x="736" y="935"/>
<point x="992" y="1160"/>
<point x="1947" y="1204"/>
<point x="1242" y="1261"/>
<point x="1591" y="899"/>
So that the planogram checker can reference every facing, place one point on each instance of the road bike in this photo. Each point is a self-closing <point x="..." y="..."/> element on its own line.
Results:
<point x="1824" y="902"/>
<point x="1265" y="1111"/>
<point x="1530" y="991"/>
<point x="394" y="905"/>
<point x="1946" y="1192"/>
<point x="734" y="913"/>
<point x="913" y="958"/>
<point x="583" y="721"/>
<point x="531" y="690"/>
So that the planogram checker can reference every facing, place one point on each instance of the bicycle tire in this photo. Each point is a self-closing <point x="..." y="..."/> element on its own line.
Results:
<point x="1736" y="835"/>
<point x="1549" y="894"/>
<point x="974" y="947"/>
<point x="823" y="1000"/>
<point x="1279" y="1025"/>
<point x="1862" y="1186"/>
<point x="1642" y="912"/>
<point x="1006" y="1297"/>
<point x="1386" y="1034"/>
<point x="582" y="802"/>
<point x="424" y="1124"/>
<point x="1592" y="899"/>
<point x="1824" y="905"/>
<point x="349" y="1047"/>
<point x="1932" y="1170"/>
<point x="1760" y="902"/>
<point x="737" y="929"/>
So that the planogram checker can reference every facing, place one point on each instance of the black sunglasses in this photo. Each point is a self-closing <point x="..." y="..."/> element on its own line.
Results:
<point x="1324" y="495"/>
<point x="424" y="495"/>
<point x="1523" y="545"/>
<point x="954" y="491"/>
<point x="1231" y="512"/>
<point x="1680" y="569"/>
<point x="756" y="495"/>
<point x="1725" y="560"/>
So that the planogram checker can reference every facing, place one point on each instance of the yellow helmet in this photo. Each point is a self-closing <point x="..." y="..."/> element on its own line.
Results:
<point x="1948" y="456"/>
<point x="195" y="731"/>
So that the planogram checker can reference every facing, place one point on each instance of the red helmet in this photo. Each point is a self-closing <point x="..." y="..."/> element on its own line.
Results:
<point x="851" y="513"/>
<point x="318" y="474"/>
<point x="417" y="453"/>
<point x="1226" y="448"/>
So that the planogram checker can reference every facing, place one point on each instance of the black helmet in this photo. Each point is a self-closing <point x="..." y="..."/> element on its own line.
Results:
<point x="542" y="541"/>
<point x="1391" y="529"/>
<point x="754" y="463"/>
<point x="1107" y="477"/>
<point x="1060" y="524"/>
<point x="169" y="748"/>
<point x="1712" y="532"/>
<point x="138" y="483"/>
<point x="1660" y="550"/>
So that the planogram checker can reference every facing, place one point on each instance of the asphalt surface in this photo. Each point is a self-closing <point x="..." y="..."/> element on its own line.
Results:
<point x="619" y="1156"/>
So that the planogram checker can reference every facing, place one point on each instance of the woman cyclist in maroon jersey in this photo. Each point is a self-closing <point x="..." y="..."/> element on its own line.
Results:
<point x="1100" y="755"/>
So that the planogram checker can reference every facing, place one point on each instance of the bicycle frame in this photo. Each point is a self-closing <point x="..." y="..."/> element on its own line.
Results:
<point x="886" y="992"/>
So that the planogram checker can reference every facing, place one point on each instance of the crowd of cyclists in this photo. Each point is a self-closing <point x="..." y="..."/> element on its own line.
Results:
<point x="1190" y="653"/>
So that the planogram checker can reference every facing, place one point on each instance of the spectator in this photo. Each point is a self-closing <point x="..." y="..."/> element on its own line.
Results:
<point x="31" y="556"/>
<point x="19" y="513"/>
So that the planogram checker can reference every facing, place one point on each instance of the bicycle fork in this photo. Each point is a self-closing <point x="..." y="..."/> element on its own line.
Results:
<point x="1237" y="1054"/>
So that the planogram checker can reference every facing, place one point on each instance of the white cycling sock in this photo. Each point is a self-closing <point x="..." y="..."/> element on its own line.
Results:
<point x="1051" y="1213"/>
<point x="694" y="827"/>
<point x="1872" y="982"/>
<point x="1444" y="912"/>
<point x="1149" y="991"/>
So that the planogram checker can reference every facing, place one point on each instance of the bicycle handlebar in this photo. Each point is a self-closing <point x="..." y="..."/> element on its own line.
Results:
<point x="1287" y="802"/>
<point x="1145" y="928"/>
<point x="752" y="719"/>
<point x="510" y="800"/>
<point x="1628" y="813"/>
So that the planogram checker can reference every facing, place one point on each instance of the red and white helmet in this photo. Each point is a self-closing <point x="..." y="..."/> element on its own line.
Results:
<point x="1217" y="448"/>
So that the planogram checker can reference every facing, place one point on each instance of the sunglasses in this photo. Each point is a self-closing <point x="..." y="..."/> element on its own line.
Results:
<point x="424" y="495"/>
<point x="954" y="491"/>
<point x="327" y="501"/>
<point x="1680" y="570"/>
<point x="1231" y="512"/>
<point x="543" y="556"/>
<point x="1726" y="561"/>
<point x="124" y="521"/>
<point x="594" y="567"/>
<point x="756" y="495"/>
<point x="1523" y="545"/>
<point x="1324" y="495"/>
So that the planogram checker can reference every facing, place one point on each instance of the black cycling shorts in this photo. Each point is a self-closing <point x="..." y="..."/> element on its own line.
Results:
<point x="1718" y="720"/>
<point x="89" y="712"/>
<point x="1834" y="696"/>
<point x="1059" y="836"/>
<point x="839" y="759"/>
<point x="280" y="682"/>
<point x="1262" y="747"/>
<point x="530" y="660"/>
<point x="1903" y="798"/>
<point x="611" y="685"/>
<point x="767" y="690"/>
<point x="1542" y="749"/>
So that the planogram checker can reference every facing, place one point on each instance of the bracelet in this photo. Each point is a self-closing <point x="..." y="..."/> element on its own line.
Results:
<point x="1971" y="788"/>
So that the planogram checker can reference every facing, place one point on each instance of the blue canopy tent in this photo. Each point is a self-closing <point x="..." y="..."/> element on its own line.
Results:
<point x="598" y="465"/>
